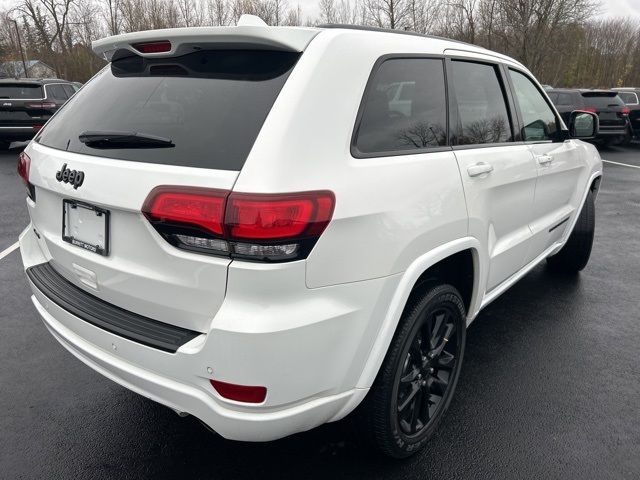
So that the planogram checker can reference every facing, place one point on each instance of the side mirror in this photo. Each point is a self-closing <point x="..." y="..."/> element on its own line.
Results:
<point x="583" y="125"/>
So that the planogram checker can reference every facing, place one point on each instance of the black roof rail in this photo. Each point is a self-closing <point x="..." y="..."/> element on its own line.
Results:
<point x="348" y="26"/>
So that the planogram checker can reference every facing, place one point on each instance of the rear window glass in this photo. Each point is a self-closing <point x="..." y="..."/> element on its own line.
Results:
<point x="404" y="108"/>
<point x="210" y="104"/>
<point x="20" y="91"/>
<point x="629" y="98"/>
<point x="602" y="100"/>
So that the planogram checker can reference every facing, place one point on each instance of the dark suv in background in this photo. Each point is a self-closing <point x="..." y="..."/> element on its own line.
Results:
<point x="611" y="110"/>
<point x="27" y="103"/>
<point x="631" y="98"/>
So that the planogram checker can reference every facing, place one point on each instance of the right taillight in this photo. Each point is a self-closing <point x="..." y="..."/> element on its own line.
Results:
<point x="24" y="165"/>
<point x="590" y="109"/>
<point x="259" y="227"/>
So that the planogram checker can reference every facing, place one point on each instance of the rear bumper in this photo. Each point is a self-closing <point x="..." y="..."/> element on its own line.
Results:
<point x="616" y="131"/>
<point x="17" y="134"/>
<point x="309" y="353"/>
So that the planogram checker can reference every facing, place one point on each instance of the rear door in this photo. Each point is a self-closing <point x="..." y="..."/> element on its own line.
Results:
<point x="559" y="165"/>
<point x="498" y="173"/>
<point x="20" y="105"/>
<point x="210" y="105"/>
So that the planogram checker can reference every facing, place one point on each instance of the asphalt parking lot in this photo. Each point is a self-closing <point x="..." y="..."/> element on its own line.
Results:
<point x="550" y="387"/>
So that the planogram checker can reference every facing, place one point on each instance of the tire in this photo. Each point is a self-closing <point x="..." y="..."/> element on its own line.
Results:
<point x="575" y="254"/>
<point x="386" y="416"/>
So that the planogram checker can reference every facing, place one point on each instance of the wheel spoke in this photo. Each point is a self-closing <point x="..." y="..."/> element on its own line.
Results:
<point x="446" y="361"/>
<point x="437" y="385"/>
<point x="409" y="398"/>
<point x="436" y="351"/>
<point x="437" y="326"/>
<point x="411" y="376"/>
<point x="415" y="409"/>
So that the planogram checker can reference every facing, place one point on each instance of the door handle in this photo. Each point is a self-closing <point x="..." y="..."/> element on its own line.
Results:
<point x="544" y="159"/>
<point x="479" y="169"/>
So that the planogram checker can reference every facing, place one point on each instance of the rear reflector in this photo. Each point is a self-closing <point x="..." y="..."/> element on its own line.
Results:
<point x="259" y="227"/>
<point x="240" y="393"/>
<point x="153" y="47"/>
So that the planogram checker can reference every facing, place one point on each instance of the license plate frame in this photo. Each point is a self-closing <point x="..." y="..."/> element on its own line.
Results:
<point x="68" y="236"/>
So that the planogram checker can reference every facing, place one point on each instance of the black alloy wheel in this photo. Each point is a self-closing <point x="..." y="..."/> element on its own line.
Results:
<point x="428" y="370"/>
<point x="418" y="376"/>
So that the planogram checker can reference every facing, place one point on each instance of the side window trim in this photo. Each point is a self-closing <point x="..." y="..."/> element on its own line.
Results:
<point x="559" y="135"/>
<point x="355" y="152"/>
<point x="51" y="85"/>
<point x="455" y="127"/>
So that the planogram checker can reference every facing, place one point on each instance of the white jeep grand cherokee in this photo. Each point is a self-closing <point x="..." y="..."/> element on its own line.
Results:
<point x="269" y="227"/>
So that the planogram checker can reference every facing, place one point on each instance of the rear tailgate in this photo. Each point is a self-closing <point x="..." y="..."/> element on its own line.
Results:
<point x="210" y="107"/>
<point x="142" y="273"/>
<point x="20" y="104"/>
<point x="608" y="106"/>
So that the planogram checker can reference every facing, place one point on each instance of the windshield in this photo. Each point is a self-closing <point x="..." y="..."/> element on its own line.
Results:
<point x="210" y="104"/>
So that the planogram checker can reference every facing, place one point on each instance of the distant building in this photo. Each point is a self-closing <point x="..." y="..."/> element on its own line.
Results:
<point x="35" y="69"/>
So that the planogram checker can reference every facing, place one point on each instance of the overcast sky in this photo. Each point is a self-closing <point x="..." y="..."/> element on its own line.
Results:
<point x="610" y="8"/>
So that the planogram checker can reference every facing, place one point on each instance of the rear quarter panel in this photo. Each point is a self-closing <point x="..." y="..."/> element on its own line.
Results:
<point x="389" y="210"/>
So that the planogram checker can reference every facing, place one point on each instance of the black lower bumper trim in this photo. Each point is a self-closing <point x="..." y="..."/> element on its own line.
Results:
<point x="106" y="316"/>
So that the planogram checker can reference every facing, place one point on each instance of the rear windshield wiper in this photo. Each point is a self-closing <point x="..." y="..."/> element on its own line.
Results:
<point x="106" y="140"/>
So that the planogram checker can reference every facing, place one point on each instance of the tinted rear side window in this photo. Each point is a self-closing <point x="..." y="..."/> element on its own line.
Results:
<point x="20" y="91"/>
<point x="210" y="104"/>
<point x="404" y="108"/>
<point x="69" y="90"/>
<point x="56" y="92"/>
<point x="629" y="98"/>
<point x="481" y="104"/>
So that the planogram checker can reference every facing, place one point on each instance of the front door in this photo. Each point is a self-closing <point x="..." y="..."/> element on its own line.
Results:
<point x="499" y="176"/>
<point x="557" y="196"/>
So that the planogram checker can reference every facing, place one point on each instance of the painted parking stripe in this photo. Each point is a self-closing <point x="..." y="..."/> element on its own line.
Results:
<point x="7" y="251"/>
<point x="623" y="164"/>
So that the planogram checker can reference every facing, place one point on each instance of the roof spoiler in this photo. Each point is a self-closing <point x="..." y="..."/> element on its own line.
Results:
<point x="250" y="32"/>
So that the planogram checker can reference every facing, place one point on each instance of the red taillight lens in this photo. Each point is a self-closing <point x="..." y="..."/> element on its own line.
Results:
<point x="625" y="111"/>
<point x="260" y="217"/>
<point x="263" y="227"/>
<point x="590" y="109"/>
<point x="200" y="207"/>
<point x="153" y="47"/>
<point x="37" y="127"/>
<point x="240" y="393"/>
<point x="24" y="165"/>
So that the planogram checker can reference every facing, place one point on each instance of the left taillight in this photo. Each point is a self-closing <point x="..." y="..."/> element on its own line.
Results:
<point x="259" y="227"/>
<point x="24" y="165"/>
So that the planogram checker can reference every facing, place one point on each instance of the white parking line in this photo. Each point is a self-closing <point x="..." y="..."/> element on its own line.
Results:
<point x="623" y="164"/>
<point x="7" y="251"/>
